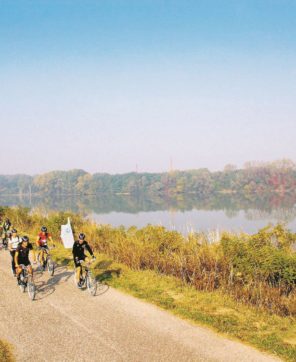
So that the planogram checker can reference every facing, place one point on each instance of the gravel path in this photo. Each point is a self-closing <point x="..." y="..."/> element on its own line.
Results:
<point x="67" y="324"/>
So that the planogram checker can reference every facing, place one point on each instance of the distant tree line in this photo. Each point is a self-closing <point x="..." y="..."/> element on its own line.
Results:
<point x="253" y="179"/>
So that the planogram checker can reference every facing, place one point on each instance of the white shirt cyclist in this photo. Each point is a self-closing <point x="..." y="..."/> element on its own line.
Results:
<point x="14" y="242"/>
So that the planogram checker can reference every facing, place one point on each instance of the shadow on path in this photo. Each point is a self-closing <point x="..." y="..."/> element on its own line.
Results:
<point x="46" y="288"/>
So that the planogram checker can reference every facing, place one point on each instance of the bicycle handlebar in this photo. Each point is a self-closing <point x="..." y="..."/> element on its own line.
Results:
<point x="84" y="263"/>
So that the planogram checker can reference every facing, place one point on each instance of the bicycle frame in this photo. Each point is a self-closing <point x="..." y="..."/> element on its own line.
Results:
<point x="84" y="267"/>
<point x="43" y="252"/>
<point x="87" y="278"/>
<point x="25" y="272"/>
<point x="45" y="260"/>
<point x="26" y="281"/>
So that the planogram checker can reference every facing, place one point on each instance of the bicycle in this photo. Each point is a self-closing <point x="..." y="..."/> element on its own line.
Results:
<point x="25" y="280"/>
<point x="47" y="262"/>
<point x="86" y="278"/>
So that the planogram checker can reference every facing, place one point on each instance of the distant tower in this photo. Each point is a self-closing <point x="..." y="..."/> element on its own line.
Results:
<point x="30" y="194"/>
<point x="171" y="165"/>
<point x="137" y="168"/>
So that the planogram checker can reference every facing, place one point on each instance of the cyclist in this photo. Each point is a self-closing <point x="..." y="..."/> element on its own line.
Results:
<point x="7" y="239"/>
<point x="13" y="243"/>
<point x="78" y="250"/>
<point x="21" y="256"/>
<point x="42" y="247"/>
<point x="6" y="225"/>
<point x="5" y="231"/>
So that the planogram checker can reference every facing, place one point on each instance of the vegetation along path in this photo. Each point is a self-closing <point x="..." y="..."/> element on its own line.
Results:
<point x="66" y="324"/>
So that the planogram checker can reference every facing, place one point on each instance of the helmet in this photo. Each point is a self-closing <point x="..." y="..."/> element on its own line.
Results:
<point x="81" y="236"/>
<point x="25" y="239"/>
<point x="44" y="229"/>
<point x="14" y="231"/>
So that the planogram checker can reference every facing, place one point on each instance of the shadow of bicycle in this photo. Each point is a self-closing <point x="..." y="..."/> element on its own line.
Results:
<point x="46" y="288"/>
<point x="104" y="276"/>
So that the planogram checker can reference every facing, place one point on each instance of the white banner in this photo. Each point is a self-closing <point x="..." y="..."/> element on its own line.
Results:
<point x="67" y="235"/>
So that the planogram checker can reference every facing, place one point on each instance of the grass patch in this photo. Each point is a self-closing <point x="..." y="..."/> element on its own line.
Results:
<point x="266" y="331"/>
<point x="5" y="352"/>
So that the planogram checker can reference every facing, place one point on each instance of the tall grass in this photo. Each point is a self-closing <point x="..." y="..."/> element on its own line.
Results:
<point x="257" y="269"/>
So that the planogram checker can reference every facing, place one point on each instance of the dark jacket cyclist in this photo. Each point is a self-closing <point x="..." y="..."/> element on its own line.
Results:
<point x="21" y="256"/>
<point x="78" y="251"/>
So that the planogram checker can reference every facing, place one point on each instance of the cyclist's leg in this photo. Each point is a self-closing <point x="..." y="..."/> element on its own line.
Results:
<point x="77" y="270"/>
<point x="3" y="238"/>
<point x="42" y="259"/>
<point x="18" y="272"/>
<point x="12" y="253"/>
<point x="30" y="270"/>
<point x="78" y="273"/>
<point x="85" y="261"/>
<point x="45" y="255"/>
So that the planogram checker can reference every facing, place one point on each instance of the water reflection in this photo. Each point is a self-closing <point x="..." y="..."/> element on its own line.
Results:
<point x="183" y="213"/>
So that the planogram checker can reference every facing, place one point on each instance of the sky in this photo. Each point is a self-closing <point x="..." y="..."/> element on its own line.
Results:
<point x="118" y="86"/>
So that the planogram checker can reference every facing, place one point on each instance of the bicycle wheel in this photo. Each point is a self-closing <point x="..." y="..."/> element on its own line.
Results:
<point x="41" y="262"/>
<point x="22" y="286"/>
<point x="91" y="284"/>
<point x="31" y="290"/>
<point x="50" y="266"/>
<point x="22" y="282"/>
<point x="39" y="266"/>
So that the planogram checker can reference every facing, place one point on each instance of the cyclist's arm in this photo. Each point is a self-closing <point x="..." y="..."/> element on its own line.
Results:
<point x="89" y="249"/>
<point x="16" y="259"/>
<point x="74" y="251"/>
<point x="32" y="251"/>
<point x="37" y="241"/>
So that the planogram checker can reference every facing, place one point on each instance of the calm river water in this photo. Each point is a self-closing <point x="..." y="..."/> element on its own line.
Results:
<point x="183" y="214"/>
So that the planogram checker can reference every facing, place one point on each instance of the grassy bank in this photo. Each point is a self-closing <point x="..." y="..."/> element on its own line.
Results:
<point x="258" y="270"/>
<point x="5" y="352"/>
<point x="271" y="333"/>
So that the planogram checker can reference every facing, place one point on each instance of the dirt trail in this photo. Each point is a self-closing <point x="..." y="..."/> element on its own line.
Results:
<point x="67" y="324"/>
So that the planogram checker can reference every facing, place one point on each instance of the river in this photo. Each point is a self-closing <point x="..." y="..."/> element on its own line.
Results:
<point x="184" y="213"/>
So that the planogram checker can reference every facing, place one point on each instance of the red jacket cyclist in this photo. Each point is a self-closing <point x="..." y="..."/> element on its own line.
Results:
<point x="42" y="244"/>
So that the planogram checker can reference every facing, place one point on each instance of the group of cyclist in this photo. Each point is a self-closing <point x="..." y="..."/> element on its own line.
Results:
<point x="21" y="247"/>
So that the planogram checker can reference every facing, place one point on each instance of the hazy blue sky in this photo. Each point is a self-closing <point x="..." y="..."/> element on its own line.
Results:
<point x="106" y="85"/>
